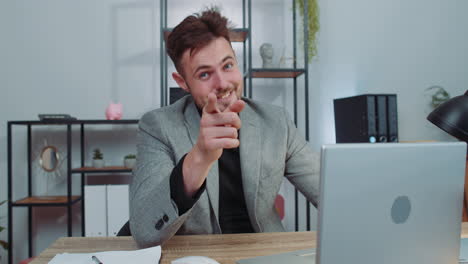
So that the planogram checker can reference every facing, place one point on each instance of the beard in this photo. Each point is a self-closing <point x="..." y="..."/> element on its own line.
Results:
<point x="221" y="104"/>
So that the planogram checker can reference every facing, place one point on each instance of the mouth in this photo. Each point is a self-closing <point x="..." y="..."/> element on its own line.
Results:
<point x="224" y="95"/>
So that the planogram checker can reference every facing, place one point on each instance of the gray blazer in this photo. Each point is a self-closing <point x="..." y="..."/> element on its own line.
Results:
<point x="270" y="149"/>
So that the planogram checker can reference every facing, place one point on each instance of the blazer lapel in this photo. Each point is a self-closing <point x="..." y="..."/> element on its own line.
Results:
<point x="250" y="156"/>
<point x="192" y="122"/>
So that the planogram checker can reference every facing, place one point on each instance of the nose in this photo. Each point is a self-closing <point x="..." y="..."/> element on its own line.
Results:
<point x="221" y="81"/>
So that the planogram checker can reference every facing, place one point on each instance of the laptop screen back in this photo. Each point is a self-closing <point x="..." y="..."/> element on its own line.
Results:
<point x="391" y="203"/>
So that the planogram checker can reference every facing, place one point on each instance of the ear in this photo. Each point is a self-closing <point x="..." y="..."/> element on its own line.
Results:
<point x="180" y="81"/>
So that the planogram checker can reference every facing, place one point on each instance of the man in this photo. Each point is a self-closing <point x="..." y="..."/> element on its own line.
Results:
<point x="212" y="162"/>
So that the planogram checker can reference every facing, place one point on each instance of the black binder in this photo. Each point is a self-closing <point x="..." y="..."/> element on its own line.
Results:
<point x="392" y="118"/>
<point x="382" y="133"/>
<point x="355" y="119"/>
<point x="366" y="118"/>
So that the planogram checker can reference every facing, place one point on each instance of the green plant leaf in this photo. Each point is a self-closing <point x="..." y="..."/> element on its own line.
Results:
<point x="1" y="228"/>
<point x="4" y="244"/>
<point x="313" y="25"/>
<point x="438" y="97"/>
<point x="97" y="154"/>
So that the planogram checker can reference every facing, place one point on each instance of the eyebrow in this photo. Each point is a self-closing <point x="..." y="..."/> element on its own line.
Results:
<point x="201" y="67"/>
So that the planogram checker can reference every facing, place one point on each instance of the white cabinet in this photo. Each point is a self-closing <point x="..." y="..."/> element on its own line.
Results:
<point x="106" y="209"/>
<point x="118" y="211"/>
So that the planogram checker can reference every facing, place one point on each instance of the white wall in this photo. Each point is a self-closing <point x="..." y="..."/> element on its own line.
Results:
<point x="71" y="57"/>
<point x="400" y="47"/>
<point x="64" y="56"/>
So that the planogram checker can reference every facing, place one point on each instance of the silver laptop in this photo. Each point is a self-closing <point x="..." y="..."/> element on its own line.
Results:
<point x="392" y="203"/>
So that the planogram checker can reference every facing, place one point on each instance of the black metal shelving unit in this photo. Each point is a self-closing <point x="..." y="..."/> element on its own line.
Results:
<point x="238" y="35"/>
<point x="251" y="73"/>
<point x="67" y="200"/>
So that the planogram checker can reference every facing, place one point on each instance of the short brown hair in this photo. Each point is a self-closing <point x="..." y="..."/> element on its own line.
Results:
<point x="195" y="32"/>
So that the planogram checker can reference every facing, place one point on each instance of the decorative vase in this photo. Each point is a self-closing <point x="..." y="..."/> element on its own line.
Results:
<point x="129" y="163"/>
<point x="98" y="163"/>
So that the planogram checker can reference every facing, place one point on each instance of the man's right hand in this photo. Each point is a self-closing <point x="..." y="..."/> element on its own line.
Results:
<point x="218" y="130"/>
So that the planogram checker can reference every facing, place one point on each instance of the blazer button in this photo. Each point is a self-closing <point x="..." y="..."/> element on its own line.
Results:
<point x="159" y="224"/>
<point x="165" y="218"/>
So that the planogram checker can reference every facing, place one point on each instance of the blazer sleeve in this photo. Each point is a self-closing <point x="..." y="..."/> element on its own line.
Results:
<point x="154" y="216"/>
<point x="302" y="164"/>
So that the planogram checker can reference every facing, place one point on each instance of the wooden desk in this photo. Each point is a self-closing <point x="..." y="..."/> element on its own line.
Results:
<point x="226" y="249"/>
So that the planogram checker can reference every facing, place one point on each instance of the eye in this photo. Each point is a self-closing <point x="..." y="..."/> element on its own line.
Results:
<point x="203" y="75"/>
<point x="228" y="66"/>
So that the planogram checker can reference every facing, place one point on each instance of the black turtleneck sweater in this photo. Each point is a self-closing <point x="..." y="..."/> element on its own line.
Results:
<point x="233" y="216"/>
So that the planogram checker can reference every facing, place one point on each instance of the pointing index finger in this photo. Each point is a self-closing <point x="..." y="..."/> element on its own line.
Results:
<point x="236" y="107"/>
<point x="210" y="106"/>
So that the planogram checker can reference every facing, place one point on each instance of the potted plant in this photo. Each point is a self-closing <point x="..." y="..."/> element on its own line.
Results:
<point x="129" y="161"/>
<point x="3" y="243"/>
<point x="439" y="96"/>
<point x="313" y="25"/>
<point x="98" y="161"/>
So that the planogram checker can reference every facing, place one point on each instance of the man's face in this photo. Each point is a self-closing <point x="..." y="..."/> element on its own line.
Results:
<point x="212" y="68"/>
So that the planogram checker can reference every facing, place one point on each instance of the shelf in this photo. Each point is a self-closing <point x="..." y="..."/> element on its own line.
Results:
<point x="276" y="73"/>
<point x="238" y="34"/>
<point x="109" y="169"/>
<point x="69" y="200"/>
<point x="61" y="200"/>
<point x="76" y="122"/>
<point x="235" y="34"/>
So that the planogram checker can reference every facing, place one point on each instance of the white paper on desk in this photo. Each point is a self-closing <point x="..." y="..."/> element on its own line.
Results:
<point x="142" y="256"/>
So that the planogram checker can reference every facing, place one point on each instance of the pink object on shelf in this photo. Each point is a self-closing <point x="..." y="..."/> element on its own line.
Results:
<point x="114" y="111"/>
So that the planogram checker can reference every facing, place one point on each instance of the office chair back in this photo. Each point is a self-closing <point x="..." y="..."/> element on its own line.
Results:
<point x="125" y="230"/>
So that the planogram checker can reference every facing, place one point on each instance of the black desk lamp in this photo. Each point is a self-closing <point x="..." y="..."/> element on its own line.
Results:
<point x="452" y="117"/>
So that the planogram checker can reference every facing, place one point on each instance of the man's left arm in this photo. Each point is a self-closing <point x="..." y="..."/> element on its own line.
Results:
<point x="302" y="164"/>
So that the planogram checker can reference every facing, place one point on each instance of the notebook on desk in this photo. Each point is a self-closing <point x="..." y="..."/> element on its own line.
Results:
<point x="149" y="255"/>
<point x="387" y="204"/>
